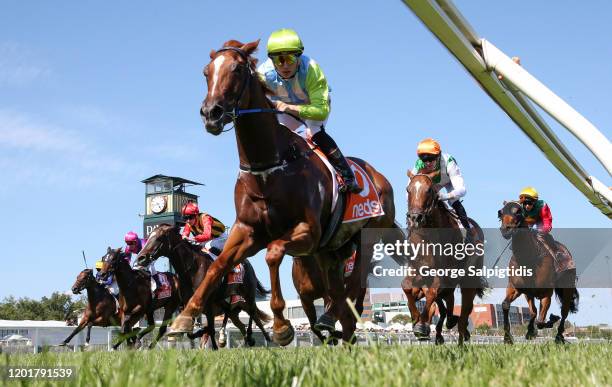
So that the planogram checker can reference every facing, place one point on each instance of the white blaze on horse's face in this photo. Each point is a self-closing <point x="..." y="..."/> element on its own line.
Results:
<point x="217" y="64"/>
<point x="417" y="187"/>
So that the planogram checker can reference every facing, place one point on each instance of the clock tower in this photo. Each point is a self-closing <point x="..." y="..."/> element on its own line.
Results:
<point x="164" y="198"/>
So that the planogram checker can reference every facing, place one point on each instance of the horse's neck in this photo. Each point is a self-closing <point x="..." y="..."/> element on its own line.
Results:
<point x="260" y="138"/>
<point x="124" y="275"/>
<point x="192" y="259"/>
<point x="524" y="246"/>
<point x="440" y="217"/>
<point x="92" y="294"/>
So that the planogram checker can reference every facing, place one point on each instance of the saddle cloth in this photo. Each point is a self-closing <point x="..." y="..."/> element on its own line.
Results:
<point x="366" y="204"/>
<point x="164" y="290"/>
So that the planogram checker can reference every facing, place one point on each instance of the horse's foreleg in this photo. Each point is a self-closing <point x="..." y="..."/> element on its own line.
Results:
<point x="164" y="325"/>
<point x="422" y="329"/>
<point x="467" y="304"/>
<point x="89" y="325"/>
<point x="533" y="312"/>
<point x="451" y="318"/>
<point x="544" y="306"/>
<point x="299" y="239"/>
<point x="222" y="338"/>
<point x="440" y="324"/>
<point x="238" y="324"/>
<point x="236" y="249"/>
<point x="80" y="327"/>
<point x="511" y="295"/>
<point x="412" y="299"/>
<point x="311" y="314"/>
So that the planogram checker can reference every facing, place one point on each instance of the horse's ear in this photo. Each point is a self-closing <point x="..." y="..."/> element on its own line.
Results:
<point x="212" y="54"/>
<point x="410" y="174"/>
<point x="505" y="202"/>
<point x="250" y="48"/>
<point x="431" y="175"/>
<point x="108" y="249"/>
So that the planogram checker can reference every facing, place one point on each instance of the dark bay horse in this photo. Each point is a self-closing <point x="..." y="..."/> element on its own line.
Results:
<point x="191" y="265"/>
<point x="283" y="193"/>
<point x="135" y="296"/>
<point x="101" y="310"/>
<point x="431" y="224"/>
<point x="530" y="253"/>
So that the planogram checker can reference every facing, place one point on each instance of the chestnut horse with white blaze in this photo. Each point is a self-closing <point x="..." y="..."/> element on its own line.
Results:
<point x="283" y="194"/>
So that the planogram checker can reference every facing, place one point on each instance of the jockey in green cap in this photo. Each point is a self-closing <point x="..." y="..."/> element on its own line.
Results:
<point x="301" y="89"/>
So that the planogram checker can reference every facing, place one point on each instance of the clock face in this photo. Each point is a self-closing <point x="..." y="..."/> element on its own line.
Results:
<point x="158" y="203"/>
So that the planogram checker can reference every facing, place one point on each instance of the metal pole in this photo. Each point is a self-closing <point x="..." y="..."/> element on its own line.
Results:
<point x="567" y="116"/>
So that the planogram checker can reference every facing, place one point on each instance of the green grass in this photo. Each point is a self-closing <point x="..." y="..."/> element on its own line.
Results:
<point x="475" y="365"/>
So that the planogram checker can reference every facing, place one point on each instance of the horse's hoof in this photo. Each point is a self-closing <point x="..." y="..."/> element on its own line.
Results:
<point x="451" y="321"/>
<point x="250" y="342"/>
<point x="508" y="339"/>
<point x="421" y="331"/>
<point x="530" y="335"/>
<point x="62" y="344"/>
<point x="181" y="325"/>
<point x="284" y="335"/>
<point x="553" y="318"/>
<point x="439" y="340"/>
<point x="559" y="339"/>
<point x="222" y="343"/>
<point x="325" y="323"/>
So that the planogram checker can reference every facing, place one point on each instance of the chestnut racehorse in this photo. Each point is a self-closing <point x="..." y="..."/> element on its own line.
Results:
<point x="283" y="194"/>
<point x="431" y="223"/>
<point x="529" y="252"/>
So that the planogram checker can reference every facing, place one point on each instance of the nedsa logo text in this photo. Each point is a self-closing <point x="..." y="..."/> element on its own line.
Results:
<point x="368" y="208"/>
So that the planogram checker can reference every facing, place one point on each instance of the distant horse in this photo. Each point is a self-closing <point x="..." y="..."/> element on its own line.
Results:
<point x="135" y="296"/>
<point x="101" y="310"/>
<point x="530" y="253"/>
<point x="191" y="265"/>
<point x="283" y="195"/>
<point x="432" y="223"/>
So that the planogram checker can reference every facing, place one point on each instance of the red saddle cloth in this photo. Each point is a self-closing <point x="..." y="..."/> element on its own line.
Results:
<point x="236" y="277"/>
<point x="164" y="288"/>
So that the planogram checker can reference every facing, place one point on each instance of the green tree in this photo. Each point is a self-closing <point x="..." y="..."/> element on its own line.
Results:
<point x="401" y="318"/>
<point x="56" y="307"/>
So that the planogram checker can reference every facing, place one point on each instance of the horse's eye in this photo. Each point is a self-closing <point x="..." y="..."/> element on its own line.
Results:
<point x="234" y="67"/>
<point x="205" y="71"/>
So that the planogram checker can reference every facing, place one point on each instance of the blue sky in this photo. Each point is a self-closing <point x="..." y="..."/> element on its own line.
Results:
<point x="96" y="96"/>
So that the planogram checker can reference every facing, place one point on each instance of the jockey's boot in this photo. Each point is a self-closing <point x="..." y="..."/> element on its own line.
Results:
<point x="336" y="158"/>
<point x="471" y="233"/>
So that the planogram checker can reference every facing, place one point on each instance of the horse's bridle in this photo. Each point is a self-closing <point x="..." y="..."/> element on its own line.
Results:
<point x="238" y="112"/>
<point x="425" y="213"/>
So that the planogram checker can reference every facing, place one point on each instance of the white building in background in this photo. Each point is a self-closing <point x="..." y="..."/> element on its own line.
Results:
<point x="50" y="333"/>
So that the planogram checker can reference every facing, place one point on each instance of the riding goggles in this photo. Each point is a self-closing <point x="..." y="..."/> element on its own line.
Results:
<point x="281" y="59"/>
<point x="425" y="157"/>
<point x="188" y="217"/>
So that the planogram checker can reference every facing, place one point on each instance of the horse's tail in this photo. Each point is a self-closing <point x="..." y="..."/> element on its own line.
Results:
<point x="261" y="292"/>
<point x="262" y="316"/>
<point x="566" y="278"/>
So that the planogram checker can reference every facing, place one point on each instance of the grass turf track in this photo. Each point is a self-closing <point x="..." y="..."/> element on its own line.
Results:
<point x="475" y="365"/>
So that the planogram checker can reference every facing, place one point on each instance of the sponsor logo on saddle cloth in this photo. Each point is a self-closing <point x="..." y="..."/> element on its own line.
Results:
<point x="349" y="265"/>
<point x="165" y="289"/>
<point x="365" y="204"/>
